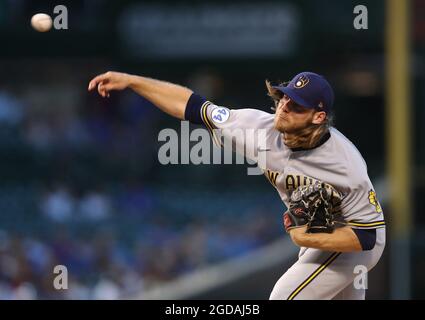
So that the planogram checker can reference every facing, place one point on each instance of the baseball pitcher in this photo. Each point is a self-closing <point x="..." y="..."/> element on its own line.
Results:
<point x="333" y="213"/>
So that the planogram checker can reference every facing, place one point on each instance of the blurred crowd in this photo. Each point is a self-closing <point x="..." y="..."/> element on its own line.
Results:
<point x="115" y="245"/>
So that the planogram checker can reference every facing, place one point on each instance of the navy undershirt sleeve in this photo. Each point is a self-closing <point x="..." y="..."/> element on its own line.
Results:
<point x="367" y="238"/>
<point x="193" y="109"/>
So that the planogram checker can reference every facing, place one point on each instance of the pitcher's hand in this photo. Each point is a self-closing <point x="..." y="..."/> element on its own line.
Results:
<point x="109" y="81"/>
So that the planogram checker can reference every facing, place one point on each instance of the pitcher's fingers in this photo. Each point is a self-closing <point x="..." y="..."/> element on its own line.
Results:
<point x="101" y="89"/>
<point x="109" y="86"/>
<point x="96" y="80"/>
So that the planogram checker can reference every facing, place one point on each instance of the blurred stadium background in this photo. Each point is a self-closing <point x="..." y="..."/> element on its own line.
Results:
<point x="81" y="184"/>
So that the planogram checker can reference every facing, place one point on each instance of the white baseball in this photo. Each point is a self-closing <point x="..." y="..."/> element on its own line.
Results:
<point x="41" y="22"/>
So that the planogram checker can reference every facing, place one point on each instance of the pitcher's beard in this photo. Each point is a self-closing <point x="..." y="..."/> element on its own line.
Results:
<point x="301" y="137"/>
<point x="290" y="129"/>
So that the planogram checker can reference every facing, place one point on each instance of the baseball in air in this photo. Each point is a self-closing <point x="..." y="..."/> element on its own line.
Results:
<point x="41" y="22"/>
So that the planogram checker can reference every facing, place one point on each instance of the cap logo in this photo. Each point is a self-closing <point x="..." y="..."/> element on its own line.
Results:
<point x="321" y="105"/>
<point x="301" y="82"/>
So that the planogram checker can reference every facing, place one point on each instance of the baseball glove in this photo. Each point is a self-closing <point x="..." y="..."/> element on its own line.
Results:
<point x="315" y="206"/>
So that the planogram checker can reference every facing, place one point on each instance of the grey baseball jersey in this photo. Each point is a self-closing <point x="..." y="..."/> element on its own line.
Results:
<point x="335" y="160"/>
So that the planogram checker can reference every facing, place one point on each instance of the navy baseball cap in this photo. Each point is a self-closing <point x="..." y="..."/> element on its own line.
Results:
<point x="309" y="90"/>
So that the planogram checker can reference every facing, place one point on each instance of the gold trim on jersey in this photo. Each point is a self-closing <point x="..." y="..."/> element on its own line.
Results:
<point x="322" y="267"/>
<point x="209" y="125"/>
<point x="367" y="225"/>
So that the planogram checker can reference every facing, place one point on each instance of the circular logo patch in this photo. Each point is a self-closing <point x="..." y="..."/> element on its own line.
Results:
<point x="220" y="115"/>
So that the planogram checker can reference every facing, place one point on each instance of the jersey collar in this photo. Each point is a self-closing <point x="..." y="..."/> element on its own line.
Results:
<point x="322" y="140"/>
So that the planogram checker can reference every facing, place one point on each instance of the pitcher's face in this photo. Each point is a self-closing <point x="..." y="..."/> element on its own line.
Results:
<point x="291" y="117"/>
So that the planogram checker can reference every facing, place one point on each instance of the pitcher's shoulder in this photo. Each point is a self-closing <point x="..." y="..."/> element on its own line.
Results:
<point x="346" y="146"/>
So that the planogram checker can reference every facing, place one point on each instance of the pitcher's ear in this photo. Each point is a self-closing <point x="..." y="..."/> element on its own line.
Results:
<point x="319" y="117"/>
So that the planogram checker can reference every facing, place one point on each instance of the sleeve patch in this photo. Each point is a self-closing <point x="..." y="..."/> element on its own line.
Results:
<point x="220" y="115"/>
<point x="374" y="201"/>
